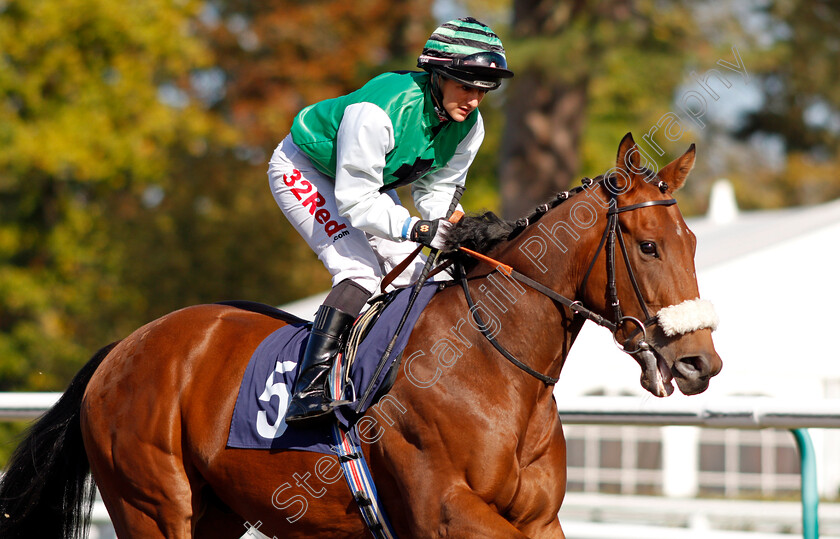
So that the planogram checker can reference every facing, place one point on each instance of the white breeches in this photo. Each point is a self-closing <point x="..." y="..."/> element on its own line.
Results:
<point x="307" y="199"/>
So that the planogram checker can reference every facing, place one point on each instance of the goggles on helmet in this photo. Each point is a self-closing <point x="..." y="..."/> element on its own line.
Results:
<point x="481" y="70"/>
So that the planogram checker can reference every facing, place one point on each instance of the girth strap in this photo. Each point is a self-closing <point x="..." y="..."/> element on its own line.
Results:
<point x="358" y="477"/>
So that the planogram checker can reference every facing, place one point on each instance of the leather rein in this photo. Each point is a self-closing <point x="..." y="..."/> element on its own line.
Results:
<point x="612" y="232"/>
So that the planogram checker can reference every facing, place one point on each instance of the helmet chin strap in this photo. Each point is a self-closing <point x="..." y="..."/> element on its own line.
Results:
<point x="437" y="98"/>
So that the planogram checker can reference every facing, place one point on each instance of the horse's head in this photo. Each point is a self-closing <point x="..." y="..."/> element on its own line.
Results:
<point x="647" y="269"/>
<point x="631" y="269"/>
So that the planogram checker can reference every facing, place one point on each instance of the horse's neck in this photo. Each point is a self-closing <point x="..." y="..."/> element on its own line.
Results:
<point x="532" y="326"/>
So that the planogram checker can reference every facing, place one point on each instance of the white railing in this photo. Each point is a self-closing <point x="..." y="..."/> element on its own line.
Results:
<point x="25" y="406"/>
<point x="729" y="412"/>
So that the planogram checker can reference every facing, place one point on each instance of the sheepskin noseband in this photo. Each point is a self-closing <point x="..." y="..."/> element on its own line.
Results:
<point x="688" y="316"/>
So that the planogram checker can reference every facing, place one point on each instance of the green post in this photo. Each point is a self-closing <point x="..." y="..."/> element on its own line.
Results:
<point x="810" y="494"/>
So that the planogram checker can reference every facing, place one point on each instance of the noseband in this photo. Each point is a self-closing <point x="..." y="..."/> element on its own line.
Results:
<point x="611" y="232"/>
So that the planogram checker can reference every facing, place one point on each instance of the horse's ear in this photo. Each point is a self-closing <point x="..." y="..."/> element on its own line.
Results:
<point x="627" y="160"/>
<point x="675" y="173"/>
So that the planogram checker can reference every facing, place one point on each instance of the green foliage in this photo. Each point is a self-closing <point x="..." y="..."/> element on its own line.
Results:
<point x="82" y="117"/>
<point x="134" y="140"/>
<point x="634" y="58"/>
<point x="587" y="73"/>
<point x="796" y="70"/>
<point x="10" y="436"/>
<point x="482" y="193"/>
<point x="80" y="88"/>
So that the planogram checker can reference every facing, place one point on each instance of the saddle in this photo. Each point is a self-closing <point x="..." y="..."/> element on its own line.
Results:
<point x="341" y="386"/>
<point x="357" y="380"/>
<point x="362" y="374"/>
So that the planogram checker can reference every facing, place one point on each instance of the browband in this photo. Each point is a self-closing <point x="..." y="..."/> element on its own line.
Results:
<point x="669" y="202"/>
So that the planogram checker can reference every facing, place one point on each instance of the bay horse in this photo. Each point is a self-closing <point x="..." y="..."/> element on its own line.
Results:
<point x="464" y="445"/>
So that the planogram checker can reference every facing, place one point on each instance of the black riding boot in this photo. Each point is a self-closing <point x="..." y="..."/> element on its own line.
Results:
<point x="310" y="397"/>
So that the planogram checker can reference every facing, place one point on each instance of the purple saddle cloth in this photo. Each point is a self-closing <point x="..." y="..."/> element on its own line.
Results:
<point x="266" y="387"/>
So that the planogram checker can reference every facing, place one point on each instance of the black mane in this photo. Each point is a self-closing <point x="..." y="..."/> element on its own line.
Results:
<point x="483" y="232"/>
<point x="478" y="232"/>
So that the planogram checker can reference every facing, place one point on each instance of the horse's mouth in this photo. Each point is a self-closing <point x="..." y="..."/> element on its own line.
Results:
<point x="656" y="374"/>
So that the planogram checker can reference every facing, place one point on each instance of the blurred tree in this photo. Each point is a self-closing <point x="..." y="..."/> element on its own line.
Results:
<point x="277" y="57"/>
<point x="223" y="234"/>
<point x="780" y="146"/>
<point x="586" y="71"/>
<point x="134" y="141"/>
<point x="796" y="68"/>
<point x="92" y="95"/>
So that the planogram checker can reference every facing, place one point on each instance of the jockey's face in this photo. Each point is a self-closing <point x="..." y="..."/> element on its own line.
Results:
<point x="460" y="100"/>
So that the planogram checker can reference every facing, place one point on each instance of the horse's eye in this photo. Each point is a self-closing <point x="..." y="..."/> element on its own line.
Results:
<point x="649" y="248"/>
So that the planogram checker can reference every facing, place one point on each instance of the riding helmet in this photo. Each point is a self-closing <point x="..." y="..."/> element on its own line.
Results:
<point x="467" y="51"/>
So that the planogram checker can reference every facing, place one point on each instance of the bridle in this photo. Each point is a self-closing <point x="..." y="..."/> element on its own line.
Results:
<point x="612" y="232"/>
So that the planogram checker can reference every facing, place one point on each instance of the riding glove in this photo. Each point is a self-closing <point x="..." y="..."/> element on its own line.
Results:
<point x="431" y="233"/>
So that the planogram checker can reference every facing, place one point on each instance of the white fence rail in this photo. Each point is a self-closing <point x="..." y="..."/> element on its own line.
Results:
<point x="734" y="412"/>
<point x="25" y="406"/>
<point x="730" y="412"/>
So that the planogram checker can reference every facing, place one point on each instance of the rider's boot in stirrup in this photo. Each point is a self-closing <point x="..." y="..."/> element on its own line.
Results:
<point x="310" y="398"/>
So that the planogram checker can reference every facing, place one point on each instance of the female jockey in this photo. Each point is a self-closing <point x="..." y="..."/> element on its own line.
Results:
<point x="334" y="177"/>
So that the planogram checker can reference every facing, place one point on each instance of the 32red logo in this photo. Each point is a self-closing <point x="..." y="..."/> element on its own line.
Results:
<point x="313" y="203"/>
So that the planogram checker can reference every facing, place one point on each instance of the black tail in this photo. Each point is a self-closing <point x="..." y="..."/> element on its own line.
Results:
<point x="46" y="490"/>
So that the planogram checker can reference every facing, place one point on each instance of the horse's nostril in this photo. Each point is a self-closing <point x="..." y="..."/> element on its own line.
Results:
<point x="693" y="365"/>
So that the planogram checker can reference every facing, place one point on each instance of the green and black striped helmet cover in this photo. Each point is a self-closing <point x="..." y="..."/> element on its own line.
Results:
<point x="467" y="51"/>
<point x="462" y="37"/>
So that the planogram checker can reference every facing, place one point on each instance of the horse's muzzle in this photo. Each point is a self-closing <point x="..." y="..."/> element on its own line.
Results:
<point x="693" y="372"/>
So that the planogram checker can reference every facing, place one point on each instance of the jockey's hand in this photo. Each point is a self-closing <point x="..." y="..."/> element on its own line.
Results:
<point x="430" y="233"/>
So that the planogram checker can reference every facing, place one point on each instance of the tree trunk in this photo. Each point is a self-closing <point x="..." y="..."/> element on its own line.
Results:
<point x="546" y="110"/>
<point x="541" y="141"/>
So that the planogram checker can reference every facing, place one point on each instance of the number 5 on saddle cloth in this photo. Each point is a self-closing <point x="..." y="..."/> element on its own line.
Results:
<point x="266" y="387"/>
